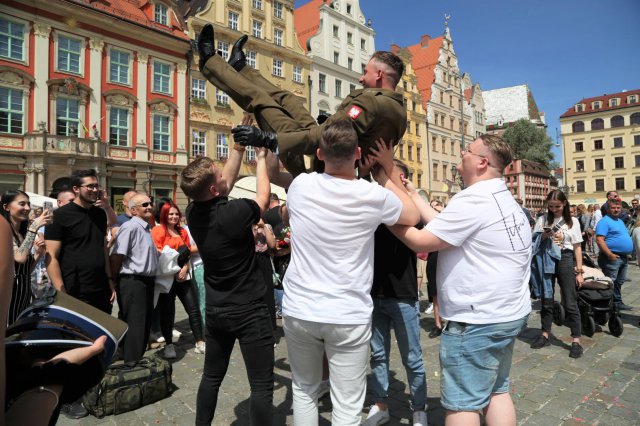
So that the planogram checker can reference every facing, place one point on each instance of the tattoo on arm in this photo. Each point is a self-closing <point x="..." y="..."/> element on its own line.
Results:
<point x="25" y="247"/>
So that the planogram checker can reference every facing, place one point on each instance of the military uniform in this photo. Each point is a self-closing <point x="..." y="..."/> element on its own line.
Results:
<point x="375" y="113"/>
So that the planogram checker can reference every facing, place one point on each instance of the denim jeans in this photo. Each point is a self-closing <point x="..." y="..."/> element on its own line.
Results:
<point x="404" y="316"/>
<point x="617" y="271"/>
<point x="251" y="326"/>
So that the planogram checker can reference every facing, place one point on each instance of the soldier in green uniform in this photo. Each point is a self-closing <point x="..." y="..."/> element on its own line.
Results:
<point x="286" y="127"/>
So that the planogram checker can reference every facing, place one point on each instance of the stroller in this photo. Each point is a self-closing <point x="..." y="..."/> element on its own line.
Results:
<point x="595" y="301"/>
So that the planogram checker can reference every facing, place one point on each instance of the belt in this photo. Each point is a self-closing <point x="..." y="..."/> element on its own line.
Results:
<point x="136" y="276"/>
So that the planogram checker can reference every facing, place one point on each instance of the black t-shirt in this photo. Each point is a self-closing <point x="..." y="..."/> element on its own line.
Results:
<point x="394" y="267"/>
<point x="222" y="232"/>
<point x="272" y="217"/>
<point x="82" y="235"/>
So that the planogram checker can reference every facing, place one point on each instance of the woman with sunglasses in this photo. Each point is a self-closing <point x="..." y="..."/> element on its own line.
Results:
<point x="16" y="208"/>
<point x="565" y="232"/>
<point x="169" y="233"/>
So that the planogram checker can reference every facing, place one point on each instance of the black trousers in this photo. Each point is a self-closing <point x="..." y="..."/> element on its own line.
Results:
<point x="566" y="279"/>
<point x="166" y="308"/>
<point x="251" y="326"/>
<point x="135" y="300"/>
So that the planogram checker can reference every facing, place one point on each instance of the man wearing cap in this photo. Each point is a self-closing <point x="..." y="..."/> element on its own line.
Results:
<point x="134" y="261"/>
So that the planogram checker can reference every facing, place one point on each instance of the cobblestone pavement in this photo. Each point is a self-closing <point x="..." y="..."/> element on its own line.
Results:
<point x="548" y="387"/>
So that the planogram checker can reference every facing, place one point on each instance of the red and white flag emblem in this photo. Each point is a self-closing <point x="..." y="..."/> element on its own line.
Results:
<point x="354" y="112"/>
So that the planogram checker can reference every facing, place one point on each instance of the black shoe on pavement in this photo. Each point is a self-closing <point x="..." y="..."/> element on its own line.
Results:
<point x="75" y="410"/>
<point x="540" y="342"/>
<point x="435" y="332"/>
<point x="206" y="45"/>
<point x="576" y="350"/>
<point x="623" y="307"/>
<point x="237" y="59"/>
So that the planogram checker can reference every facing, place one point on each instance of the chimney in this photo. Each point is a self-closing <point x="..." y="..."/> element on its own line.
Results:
<point x="425" y="40"/>
<point x="395" y="48"/>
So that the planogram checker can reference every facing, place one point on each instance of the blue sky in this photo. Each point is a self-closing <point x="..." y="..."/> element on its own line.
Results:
<point x="564" y="49"/>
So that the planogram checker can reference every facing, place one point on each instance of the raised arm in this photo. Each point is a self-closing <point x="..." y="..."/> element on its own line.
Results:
<point x="263" y="187"/>
<point x="232" y="166"/>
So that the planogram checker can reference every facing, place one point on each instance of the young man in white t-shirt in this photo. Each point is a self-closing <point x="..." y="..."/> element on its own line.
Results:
<point x="483" y="239"/>
<point x="327" y="306"/>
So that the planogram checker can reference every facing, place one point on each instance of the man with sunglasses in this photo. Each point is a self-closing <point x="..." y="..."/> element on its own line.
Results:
<point x="77" y="256"/>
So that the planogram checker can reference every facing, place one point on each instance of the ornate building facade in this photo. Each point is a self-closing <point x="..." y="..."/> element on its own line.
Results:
<point x="98" y="85"/>
<point x="507" y="105"/>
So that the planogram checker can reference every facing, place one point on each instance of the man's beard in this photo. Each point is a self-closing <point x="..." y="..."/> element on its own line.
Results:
<point x="87" y="199"/>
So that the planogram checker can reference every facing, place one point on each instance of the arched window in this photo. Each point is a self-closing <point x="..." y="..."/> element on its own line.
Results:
<point x="578" y="126"/>
<point x="617" y="121"/>
<point x="635" y="118"/>
<point x="597" y="124"/>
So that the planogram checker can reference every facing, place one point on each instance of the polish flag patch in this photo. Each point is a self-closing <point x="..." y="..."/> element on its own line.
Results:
<point x="354" y="112"/>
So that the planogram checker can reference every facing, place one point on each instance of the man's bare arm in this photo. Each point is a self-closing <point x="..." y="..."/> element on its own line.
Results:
<point x="53" y="264"/>
<point x="277" y="177"/>
<point x="418" y="240"/>
<point x="263" y="187"/>
<point x="115" y="262"/>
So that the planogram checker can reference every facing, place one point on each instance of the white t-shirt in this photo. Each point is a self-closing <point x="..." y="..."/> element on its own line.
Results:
<point x="484" y="277"/>
<point x="333" y="222"/>
<point x="566" y="237"/>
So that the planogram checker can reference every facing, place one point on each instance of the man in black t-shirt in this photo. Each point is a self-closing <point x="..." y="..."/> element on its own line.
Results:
<point x="235" y="309"/>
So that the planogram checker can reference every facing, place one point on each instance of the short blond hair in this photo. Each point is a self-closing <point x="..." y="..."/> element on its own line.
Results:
<point x="197" y="177"/>
<point x="499" y="148"/>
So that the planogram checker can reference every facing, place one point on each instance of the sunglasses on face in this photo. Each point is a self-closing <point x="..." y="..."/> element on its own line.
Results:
<point x="147" y="204"/>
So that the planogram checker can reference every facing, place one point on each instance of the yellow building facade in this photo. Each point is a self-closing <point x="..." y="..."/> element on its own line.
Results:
<point x="272" y="49"/>
<point x="601" y="147"/>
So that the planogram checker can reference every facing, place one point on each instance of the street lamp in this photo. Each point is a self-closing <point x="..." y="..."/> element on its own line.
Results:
<point x="452" y="181"/>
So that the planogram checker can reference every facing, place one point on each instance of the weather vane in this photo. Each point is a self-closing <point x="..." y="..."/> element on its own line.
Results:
<point x="446" y="19"/>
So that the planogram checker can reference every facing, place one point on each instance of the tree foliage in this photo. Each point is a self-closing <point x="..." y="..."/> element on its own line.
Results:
<point x="529" y="142"/>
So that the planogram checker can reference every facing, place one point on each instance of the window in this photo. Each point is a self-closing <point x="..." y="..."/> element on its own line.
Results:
<point x="69" y="51"/>
<point x="348" y="9"/>
<point x="637" y="182"/>
<point x="199" y="143"/>
<point x="637" y="160"/>
<point x="222" y="99"/>
<point x="617" y="121"/>
<point x="161" y="77"/>
<point x="597" y="124"/>
<point x="418" y="149"/>
<point x="599" y="185"/>
<point x="349" y="37"/>
<point x="636" y="140"/>
<point x="434" y="146"/>
<point x="251" y="154"/>
<point x="599" y="164"/>
<point x="336" y="31"/>
<point x="11" y="111"/>
<point x="12" y="40"/>
<point x="633" y="99"/>
<point x="445" y="169"/>
<point x="119" y="66"/>
<point x="67" y="117"/>
<point x="277" y="9"/>
<point x="223" y="50"/>
<point x="233" y="20"/>
<point x="161" y="133"/>
<point x="257" y="4"/>
<point x="322" y="83"/>
<point x="635" y="118"/>
<point x="277" y="67"/>
<point x="578" y="126"/>
<point x="597" y="105"/>
<point x="119" y="126"/>
<point x="579" y="108"/>
<point x="579" y="186"/>
<point x="252" y="59"/>
<point x="350" y="63"/>
<point x="277" y="37"/>
<point x="257" y="29"/>
<point x="362" y="66"/>
<point x="444" y="146"/>
<point x="352" y="87"/>
<point x="408" y="127"/>
<point x="597" y="144"/>
<point x="160" y="15"/>
<point x="363" y="44"/>
<point x="580" y="165"/>
<point x="297" y="73"/>
<point x="336" y="57"/>
<point x="198" y="88"/>
<point x="619" y="184"/>
<point x="617" y="142"/>
<point x="222" y="147"/>
<point x="618" y="162"/>
<point x="613" y="102"/>
<point x="435" y="171"/>
<point x="417" y="126"/>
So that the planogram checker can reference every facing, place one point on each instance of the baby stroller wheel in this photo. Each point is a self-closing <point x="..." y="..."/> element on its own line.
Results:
<point x="558" y="313"/>
<point x="588" y="325"/>
<point x="616" y="326"/>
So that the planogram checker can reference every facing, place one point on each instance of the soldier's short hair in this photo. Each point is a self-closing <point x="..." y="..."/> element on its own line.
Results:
<point x="197" y="177"/>
<point x="499" y="148"/>
<point x="393" y="62"/>
<point x="338" y="141"/>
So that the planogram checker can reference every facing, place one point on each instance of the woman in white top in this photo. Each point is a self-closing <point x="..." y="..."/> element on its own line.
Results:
<point x="568" y="237"/>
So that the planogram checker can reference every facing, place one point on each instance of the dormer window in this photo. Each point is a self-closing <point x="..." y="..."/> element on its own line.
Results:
<point x="614" y="102"/>
<point x="632" y="99"/>
<point x="597" y="105"/>
<point x="579" y="107"/>
<point x="160" y="14"/>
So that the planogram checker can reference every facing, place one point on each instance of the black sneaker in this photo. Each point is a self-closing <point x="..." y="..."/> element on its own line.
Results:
<point x="540" y="342"/>
<point x="623" y="307"/>
<point x="576" y="350"/>
<point x="75" y="410"/>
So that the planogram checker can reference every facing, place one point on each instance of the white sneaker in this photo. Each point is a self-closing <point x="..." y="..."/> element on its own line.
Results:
<point x="176" y="334"/>
<point x="419" y="418"/>
<point x="170" y="352"/>
<point x="160" y="339"/>
<point x="200" y="347"/>
<point x="429" y="309"/>
<point x="376" y="416"/>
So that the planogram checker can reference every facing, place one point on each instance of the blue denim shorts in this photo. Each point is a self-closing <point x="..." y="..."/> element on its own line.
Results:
<point x="476" y="361"/>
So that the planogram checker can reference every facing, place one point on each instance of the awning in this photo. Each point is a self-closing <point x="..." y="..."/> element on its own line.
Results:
<point x="37" y="200"/>
<point x="246" y="188"/>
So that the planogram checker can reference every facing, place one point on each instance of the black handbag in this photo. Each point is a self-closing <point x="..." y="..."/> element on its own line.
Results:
<point x="184" y="254"/>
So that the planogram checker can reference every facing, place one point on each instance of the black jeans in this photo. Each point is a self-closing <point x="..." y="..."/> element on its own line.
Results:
<point x="188" y="295"/>
<point x="566" y="278"/>
<point x="251" y="326"/>
<point x="135" y="300"/>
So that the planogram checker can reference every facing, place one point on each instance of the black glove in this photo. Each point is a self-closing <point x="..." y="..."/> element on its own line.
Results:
<point x="252" y="136"/>
<point x="206" y="45"/>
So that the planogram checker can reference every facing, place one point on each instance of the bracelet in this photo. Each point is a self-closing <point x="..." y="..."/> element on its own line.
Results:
<point x="31" y="230"/>
<point x="239" y="147"/>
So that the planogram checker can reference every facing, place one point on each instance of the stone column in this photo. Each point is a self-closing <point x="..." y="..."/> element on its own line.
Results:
<point x="97" y="46"/>
<point x="41" y="171"/>
<point x="41" y="70"/>
<point x="29" y="182"/>
<point x="141" y="93"/>
<point x="181" y="152"/>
